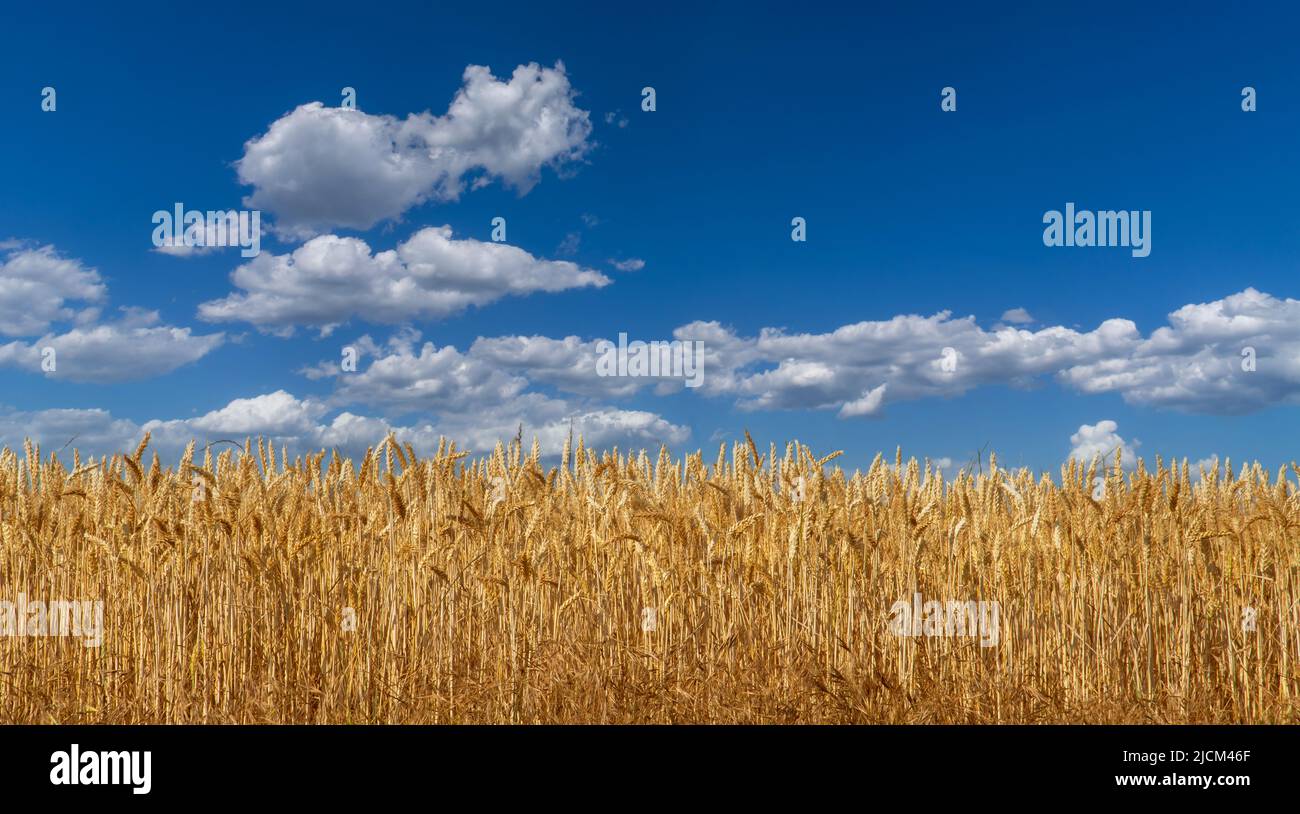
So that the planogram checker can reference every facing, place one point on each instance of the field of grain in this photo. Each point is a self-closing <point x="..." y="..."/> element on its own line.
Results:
<point x="752" y="588"/>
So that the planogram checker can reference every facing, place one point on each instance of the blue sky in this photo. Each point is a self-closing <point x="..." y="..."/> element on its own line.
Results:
<point x="763" y="113"/>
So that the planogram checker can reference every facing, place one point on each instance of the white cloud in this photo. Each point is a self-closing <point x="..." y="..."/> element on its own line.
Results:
<point x="317" y="168"/>
<point x="776" y="370"/>
<point x="438" y="379"/>
<point x="859" y="369"/>
<point x="569" y="245"/>
<point x="569" y="364"/>
<point x="300" y="425"/>
<point x="1018" y="316"/>
<point x="483" y="394"/>
<point x="115" y="352"/>
<point x="1205" y="464"/>
<point x="550" y="420"/>
<point x="92" y="431"/>
<point x="1101" y="440"/>
<point x="630" y="264"/>
<point x="275" y="414"/>
<point x="330" y="280"/>
<point x="1198" y="363"/>
<point x="949" y="467"/>
<point x="36" y="286"/>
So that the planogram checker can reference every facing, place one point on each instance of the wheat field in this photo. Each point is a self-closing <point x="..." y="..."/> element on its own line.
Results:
<point x="627" y="588"/>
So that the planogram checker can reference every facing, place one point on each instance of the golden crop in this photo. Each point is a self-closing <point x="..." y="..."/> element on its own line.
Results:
<point x="621" y="588"/>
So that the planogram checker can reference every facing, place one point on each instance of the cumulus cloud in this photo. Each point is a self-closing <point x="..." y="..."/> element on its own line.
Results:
<point x="915" y="356"/>
<point x="484" y="394"/>
<point x="317" y="168"/>
<point x="37" y="285"/>
<point x="93" y="431"/>
<point x="569" y="363"/>
<point x="407" y="376"/>
<point x="37" y="290"/>
<point x="430" y="378"/>
<point x="1101" y="440"/>
<point x="330" y="280"/>
<point x="1230" y="356"/>
<point x="487" y="392"/>
<point x="1194" y="364"/>
<point x="1017" y="316"/>
<point x="132" y="349"/>
<point x="1233" y="355"/>
<point x="276" y="414"/>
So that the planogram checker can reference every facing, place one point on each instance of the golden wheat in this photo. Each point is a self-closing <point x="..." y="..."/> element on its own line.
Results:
<point x="620" y="588"/>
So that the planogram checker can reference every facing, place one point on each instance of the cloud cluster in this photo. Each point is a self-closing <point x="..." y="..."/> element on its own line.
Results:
<point x="1195" y="364"/>
<point x="1230" y="356"/>
<point x="301" y="425"/>
<point x="318" y="168"/>
<point x="484" y="394"/>
<point x="858" y="369"/>
<point x="403" y="379"/>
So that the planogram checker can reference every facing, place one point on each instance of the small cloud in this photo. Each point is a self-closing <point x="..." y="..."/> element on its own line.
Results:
<point x="590" y="220"/>
<point x="321" y="370"/>
<point x="630" y="264"/>
<point x="1101" y="440"/>
<point x="569" y="246"/>
<point x="1206" y="464"/>
<point x="1017" y="316"/>
<point x="947" y="467"/>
